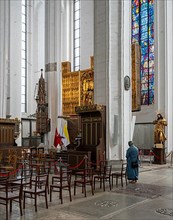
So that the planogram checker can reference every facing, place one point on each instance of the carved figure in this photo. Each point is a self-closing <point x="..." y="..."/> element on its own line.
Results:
<point x="159" y="129"/>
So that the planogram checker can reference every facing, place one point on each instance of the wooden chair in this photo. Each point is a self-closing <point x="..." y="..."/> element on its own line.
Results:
<point x="9" y="192"/>
<point x="39" y="186"/>
<point x="85" y="178"/>
<point x="25" y="177"/>
<point x="61" y="181"/>
<point x="120" y="174"/>
<point x="104" y="175"/>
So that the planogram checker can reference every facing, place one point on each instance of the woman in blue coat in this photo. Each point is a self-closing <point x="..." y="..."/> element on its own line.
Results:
<point x="132" y="156"/>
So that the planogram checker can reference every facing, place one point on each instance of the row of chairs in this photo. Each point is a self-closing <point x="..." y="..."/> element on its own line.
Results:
<point x="30" y="185"/>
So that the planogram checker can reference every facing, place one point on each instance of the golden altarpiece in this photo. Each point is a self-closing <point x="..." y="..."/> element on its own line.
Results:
<point x="83" y="114"/>
<point x="77" y="87"/>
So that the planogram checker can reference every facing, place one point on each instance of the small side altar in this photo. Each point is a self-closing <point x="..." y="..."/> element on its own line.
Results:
<point x="159" y="139"/>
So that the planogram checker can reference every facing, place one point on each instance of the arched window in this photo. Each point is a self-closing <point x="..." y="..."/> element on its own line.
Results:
<point x="24" y="56"/>
<point x="143" y="33"/>
<point x="76" y="35"/>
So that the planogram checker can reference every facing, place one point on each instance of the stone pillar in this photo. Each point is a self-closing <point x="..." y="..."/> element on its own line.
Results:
<point x="4" y="55"/>
<point x="169" y="75"/>
<point x="52" y="62"/>
<point x="112" y="63"/>
<point x="164" y="65"/>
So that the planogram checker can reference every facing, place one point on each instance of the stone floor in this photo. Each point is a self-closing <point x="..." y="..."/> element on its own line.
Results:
<point x="151" y="198"/>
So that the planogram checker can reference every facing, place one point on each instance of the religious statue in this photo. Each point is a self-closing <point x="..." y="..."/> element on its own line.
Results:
<point x="159" y="129"/>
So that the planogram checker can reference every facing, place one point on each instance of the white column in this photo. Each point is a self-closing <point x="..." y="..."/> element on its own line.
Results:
<point x="112" y="63"/>
<point x="126" y="96"/>
<point x="4" y="55"/>
<point x="169" y="74"/>
<point x="163" y="65"/>
<point x="53" y="62"/>
<point x="66" y="30"/>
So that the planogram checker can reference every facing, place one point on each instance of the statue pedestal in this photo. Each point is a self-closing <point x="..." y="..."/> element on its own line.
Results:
<point x="159" y="146"/>
<point x="159" y="154"/>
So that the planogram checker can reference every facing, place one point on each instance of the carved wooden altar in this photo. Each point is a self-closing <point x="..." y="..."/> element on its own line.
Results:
<point x="9" y="131"/>
<point x="77" y="87"/>
<point x="136" y="84"/>
<point x="42" y="120"/>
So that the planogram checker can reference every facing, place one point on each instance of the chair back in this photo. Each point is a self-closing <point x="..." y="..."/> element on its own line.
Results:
<point x="123" y="168"/>
<point x="107" y="170"/>
<point x="11" y="189"/>
<point x="87" y="174"/>
<point x="4" y="177"/>
<point x="102" y="165"/>
<point x="41" y="182"/>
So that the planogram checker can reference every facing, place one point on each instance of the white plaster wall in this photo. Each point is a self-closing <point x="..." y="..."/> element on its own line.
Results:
<point x="4" y="56"/>
<point x="86" y="33"/>
<point x="15" y="58"/>
<point x="36" y="50"/>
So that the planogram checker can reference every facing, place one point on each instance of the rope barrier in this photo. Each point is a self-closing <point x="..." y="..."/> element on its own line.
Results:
<point x="151" y="153"/>
<point x="12" y="172"/>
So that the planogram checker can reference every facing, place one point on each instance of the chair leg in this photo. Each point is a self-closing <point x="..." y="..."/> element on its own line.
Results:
<point x="69" y="189"/>
<point x="103" y="184"/>
<point x="121" y="181"/>
<point x="24" y="200"/>
<point x="74" y="188"/>
<point x="10" y="205"/>
<point x="84" y="189"/>
<point x="92" y="188"/>
<point x="116" y="181"/>
<point x="7" y="210"/>
<point x="46" y="199"/>
<point x="110" y="183"/>
<point x="50" y="194"/>
<point x="35" y="203"/>
<point x="60" y="194"/>
<point x="20" y="205"/>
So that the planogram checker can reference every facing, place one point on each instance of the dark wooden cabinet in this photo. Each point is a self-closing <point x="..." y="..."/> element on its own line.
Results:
<point x="93" y="128"/>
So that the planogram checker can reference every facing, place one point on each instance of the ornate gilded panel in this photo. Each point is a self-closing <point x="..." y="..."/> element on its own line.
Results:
<point x="77" y="87"/>
<point x="136" y="90"/>
<point x="87" y="87"/>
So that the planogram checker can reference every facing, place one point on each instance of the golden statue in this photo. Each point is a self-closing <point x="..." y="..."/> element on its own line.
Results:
<point x="159" y="129"/>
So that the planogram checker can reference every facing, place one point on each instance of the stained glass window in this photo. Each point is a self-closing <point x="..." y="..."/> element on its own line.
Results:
<point x="143" y="33"/>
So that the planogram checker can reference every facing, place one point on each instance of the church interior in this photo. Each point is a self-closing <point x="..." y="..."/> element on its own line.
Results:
<point x="79" y="79"/>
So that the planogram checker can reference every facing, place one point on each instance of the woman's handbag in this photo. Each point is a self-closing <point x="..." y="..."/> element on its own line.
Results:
<point x="135" y="164"/>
